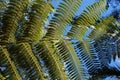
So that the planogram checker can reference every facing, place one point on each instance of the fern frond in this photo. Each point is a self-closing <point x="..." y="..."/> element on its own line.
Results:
<point x="11" y="18"/>
<point x="62" y="17"/>
<point x="11" y="71"/>
<point x="86" y="19"/>
<point x="69" y="56"/>
<point x="88" y="56"/>
<point x="28" y="61"/>
<point x="92" y="14"/>
<point x="38" y="15"/>
<point x="55" y="68"/>
<point x="102" y="28"/>
<point x="77" y="32"/>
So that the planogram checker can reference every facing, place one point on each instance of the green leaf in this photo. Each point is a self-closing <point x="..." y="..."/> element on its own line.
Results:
<point x="69" y="56"/>
<point x="28" y="61"/>
<point x="78" y="32"/>
<point x="102" y="28"/>
<point x="55" y="68"/>
<point x="39" y="13"/>
<point x="88" y="56"/>
<point x="11" y="69"/>
<point x="92" y="14"/>
<point x="86" y="19"/>
<point x="62" y="18"/>
<point x="11" y="18"/>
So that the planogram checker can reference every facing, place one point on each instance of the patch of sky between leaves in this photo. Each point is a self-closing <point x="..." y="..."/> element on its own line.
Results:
<point x="114" y="6"/>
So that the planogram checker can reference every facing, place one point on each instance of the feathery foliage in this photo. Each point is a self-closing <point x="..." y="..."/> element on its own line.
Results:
<point x="88" y="56"/>
<point x="72" y="62"/>
<point x="37" y="18"/>
<point x="56" y="69"/>
<point x="62" y="18"/>
<point x="28" y="61"/>
<point x="11" y="18"/>
<point x="11" y="71"/>
<point x="102" y="28"/>
<point x="86" y="19"/>
<point x="31" y="45"/>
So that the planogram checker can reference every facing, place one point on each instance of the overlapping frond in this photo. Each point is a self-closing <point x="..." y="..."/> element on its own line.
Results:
<point x="47" y="52"/>
<point x="10" y="71"/>
<point x="28" y="61"/>
<point x="63" y="59"/>
<point x="78" y="32"/>
<point x="92" y="14"/>
<point x="87" y="55"/>
<point x="102" y="28"/>
<point x="72" y="62"/>
<point x="37" y="17"/>
<point x="86" y="19"/>
<point x="62" y="18"/>
<point x="11" y="18"/>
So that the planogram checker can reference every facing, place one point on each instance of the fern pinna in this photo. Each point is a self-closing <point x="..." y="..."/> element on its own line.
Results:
<point x="32" y="47"/>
